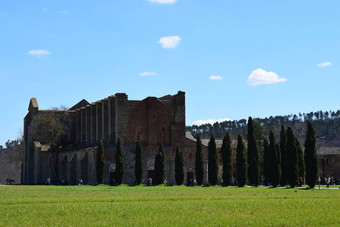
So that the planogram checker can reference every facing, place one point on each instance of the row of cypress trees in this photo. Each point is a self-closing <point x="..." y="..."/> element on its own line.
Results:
<point x="284" y="162"/>
<point x="120" y="169"/>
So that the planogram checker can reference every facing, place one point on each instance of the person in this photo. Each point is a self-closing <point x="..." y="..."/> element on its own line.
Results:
<point x="328" y="181"/>
<point x="48" y="181"/>
<point x="165" y="182"/>
<point x="332" y="181"/>
<point x="80" y="181"/>
<point x="150" y="181"/>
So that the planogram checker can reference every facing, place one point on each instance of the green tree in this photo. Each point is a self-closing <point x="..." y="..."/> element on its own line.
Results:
<point x="159" y="166"/>
<point x="120" y="167"/>
<point x="301" y="160"/>
<point x="278" y="159"/>
<point x="292" y="159"/>
<point x="241" y="165"/>
<point x="266" y="159"/>
<point x="199" y="162"/>
<point x="311" y="159"/>
<point x="100" y="164"/>
<point x="212" y="161"/>
<point x="253" y="166"/>
<point x="274" y="175"/>
<point x="139" y="163"/>
<point x="17" y="150"/>
<point x="283" y="149"/>
<point x="179" y="167"/>
<point x="226" y="159"/>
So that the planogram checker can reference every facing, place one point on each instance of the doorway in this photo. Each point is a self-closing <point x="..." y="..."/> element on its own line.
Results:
<point x="190" y="178"/>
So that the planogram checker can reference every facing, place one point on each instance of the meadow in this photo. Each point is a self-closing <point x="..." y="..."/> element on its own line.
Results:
<point x="167" y="206"/>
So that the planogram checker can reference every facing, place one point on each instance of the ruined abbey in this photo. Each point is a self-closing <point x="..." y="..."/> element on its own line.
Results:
<point x="153" y="121"/>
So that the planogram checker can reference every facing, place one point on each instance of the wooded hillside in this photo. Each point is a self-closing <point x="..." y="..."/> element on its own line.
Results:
<point x="326" y="124"/>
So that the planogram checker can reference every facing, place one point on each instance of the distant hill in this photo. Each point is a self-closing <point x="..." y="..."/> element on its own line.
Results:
<point x="326" y="124"/>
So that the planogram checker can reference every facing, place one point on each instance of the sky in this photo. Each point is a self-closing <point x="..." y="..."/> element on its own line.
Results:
<point x="234" y="59"/>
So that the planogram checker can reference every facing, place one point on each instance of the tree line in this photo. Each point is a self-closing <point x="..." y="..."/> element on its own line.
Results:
<point x="284" y="162"/>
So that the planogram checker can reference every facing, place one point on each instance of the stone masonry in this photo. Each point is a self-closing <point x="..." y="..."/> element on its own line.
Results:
<point x="153" y="121"/>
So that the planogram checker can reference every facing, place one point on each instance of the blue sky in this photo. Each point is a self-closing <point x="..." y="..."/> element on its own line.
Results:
<point x="233" y="59"/>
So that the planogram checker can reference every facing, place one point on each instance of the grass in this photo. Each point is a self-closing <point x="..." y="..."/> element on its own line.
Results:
<point x="164" y="206"/>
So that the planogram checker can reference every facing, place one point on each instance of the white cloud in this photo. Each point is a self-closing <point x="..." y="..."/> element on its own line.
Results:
<point x="215" y="77"/>
<point x="169" y="41"/>
<point x="324" y="64"/>
<point x="39" y="53"/>
<point x="163" y="1"/>
<point x="148" y="74"/>
<point x="209" y="121"/>
<point x="45" y="9"/>
<point x="260" y="76"/>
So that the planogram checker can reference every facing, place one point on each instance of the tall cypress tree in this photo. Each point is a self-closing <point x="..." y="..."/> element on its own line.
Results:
<point x="274" y="175"/>
<point x="199" y="168"/>
<point x="311" y="159"/>
<point x="212" y="161"/>
<point x="159" y="166"/>
<point x="179" y="167"/>
<point x="301" y="160"/>
<point x="226" y="159"/>
<point x="241" y="165"/>
<point x="266" y="160"/>
<point x="292" y="159"/>
<point x="120" y="163"/>
<point x="253" y="166"/>
<point x="138" y="163"/>
<point x="100" y="164"/>
<point x="278" y="155"/>
<point x="283" y="149"/>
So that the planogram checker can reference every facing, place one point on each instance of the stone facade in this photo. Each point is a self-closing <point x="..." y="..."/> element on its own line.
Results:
<point x="329" y="162"/>
<point x="153" y="121"/>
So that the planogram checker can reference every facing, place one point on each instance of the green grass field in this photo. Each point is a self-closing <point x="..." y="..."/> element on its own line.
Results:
<point x="164" y="206"/>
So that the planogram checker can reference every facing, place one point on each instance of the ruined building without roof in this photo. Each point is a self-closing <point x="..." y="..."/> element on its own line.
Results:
<point x="153" y="121"/>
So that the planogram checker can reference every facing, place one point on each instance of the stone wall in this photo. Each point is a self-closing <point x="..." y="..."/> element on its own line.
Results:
<point x="329" y="165"/>
<point x="153" y="120"/>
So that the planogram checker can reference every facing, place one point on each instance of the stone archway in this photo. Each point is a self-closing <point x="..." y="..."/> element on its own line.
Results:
<point x="150" y="167"/>
<point x="84" y="167"/>
<point x="73" y="169"/>
<point x="63" y="170"/>
<point x="190" y="178"/>
<point x="112" y="171"/>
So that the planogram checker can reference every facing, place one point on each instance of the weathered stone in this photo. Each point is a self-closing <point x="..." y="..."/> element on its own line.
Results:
<point x="153" y="120"/>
